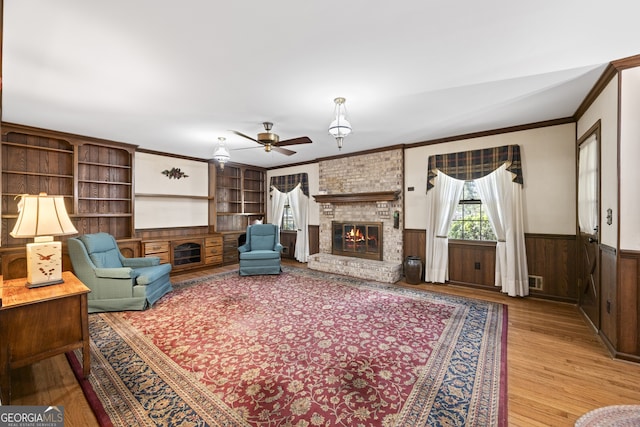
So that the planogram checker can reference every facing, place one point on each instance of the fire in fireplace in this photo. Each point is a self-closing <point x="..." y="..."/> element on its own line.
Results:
<point x="357" y="239"/>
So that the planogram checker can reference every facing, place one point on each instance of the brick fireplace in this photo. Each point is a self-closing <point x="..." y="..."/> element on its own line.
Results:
<point x="364" y="189"/>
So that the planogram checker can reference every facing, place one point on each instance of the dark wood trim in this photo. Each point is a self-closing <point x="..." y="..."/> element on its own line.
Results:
<point x="550" y="236"/>
<point x="628" y="62"/>
<point x="378" y="196"/>
<point x="483" y="243"/>
<point x="535" y="125"/>
<point x="174" y="196"/>
<point x="69" y="137"/>
<point x="608" y="74"/>
<point x="363" y="152"/>
<point x="175" y="156"/>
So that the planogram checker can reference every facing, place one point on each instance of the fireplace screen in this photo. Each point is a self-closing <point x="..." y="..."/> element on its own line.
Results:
<point x="357" y="239"/>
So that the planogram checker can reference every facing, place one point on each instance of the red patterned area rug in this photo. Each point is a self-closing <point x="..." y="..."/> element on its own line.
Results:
<point x="300" y="349"/>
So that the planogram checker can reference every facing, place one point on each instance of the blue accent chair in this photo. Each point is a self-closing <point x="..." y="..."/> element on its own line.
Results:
<point x="260" y="254"/>
<point x="117" y="283"/>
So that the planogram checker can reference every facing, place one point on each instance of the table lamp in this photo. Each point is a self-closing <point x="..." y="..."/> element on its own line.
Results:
<point x="43" y="217"/>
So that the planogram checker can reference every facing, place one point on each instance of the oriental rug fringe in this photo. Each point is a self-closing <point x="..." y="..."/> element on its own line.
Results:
<point x="300" y="349"/>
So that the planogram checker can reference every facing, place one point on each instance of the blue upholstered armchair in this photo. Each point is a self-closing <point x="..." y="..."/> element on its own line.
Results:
<point x="261" y="252"/>
<point x="117" y="283"/>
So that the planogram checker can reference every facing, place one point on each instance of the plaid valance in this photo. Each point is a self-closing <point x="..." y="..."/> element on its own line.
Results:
<point x="469" y="165"/>
<point x="286" y="183"/>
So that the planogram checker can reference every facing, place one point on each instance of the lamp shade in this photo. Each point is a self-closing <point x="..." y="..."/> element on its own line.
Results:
<point x="42" y="215"/>
<point x="221" y="155"/>
<point x="340" y="127"/>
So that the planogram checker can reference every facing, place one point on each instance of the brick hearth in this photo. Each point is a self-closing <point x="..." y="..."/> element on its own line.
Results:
<point x="368" y="269"/>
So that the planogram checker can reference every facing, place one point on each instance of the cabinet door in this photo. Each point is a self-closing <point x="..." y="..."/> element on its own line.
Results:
<point x="187" y="252"/>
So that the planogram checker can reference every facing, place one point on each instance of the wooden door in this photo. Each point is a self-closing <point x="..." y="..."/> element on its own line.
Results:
<point x="588" y="227"/>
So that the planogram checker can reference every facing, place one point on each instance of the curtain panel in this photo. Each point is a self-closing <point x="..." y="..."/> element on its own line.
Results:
<point x="286" y="183"/>
<point x="470" y="165"/>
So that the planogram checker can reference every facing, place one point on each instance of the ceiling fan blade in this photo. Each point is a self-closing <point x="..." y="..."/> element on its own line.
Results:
<point x="283" y="150"/>
<point x="244" y="148"/>
<point x="245" y="136"/>
<point x="295" y="141"/>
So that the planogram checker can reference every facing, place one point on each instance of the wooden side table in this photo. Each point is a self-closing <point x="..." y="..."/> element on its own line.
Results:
<point x="38" y="323"/>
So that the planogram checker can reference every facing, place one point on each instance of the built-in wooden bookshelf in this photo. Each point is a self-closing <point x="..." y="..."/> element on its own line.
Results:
<point x="239" y="200"/>
<point x="93" y="176"/>
<point x="240" y="197"/>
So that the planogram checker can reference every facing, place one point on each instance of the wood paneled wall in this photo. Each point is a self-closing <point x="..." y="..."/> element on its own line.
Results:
<point x="629" y="306"/>
<point x="473" y="264"/>
<point x="553" y="257"/>
<point x="608" y="296"/>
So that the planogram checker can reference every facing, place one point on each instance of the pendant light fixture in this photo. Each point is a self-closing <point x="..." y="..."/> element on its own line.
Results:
<point x="340" y="126"/>
<point x="221" y="155"/>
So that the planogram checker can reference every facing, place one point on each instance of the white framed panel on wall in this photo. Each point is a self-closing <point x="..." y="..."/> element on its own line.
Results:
<point x="166" y="212"/>
<point x="629" y="156"/>
<point x="150" y="178"/>
<point x="170" y="192"/>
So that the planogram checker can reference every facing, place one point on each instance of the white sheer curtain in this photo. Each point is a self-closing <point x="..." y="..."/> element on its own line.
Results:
<point x="299" y="203"/>
<point x="442" y="200"/>
<point x="278" y="200"/>
<point x="588" y="186"/>
<point x="502" y="199"/>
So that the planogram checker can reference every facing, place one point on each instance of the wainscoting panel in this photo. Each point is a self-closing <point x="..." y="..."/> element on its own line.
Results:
<point x="608" y="295"/>
<point x="629" y="305"/>
<point x="551" y="256"/>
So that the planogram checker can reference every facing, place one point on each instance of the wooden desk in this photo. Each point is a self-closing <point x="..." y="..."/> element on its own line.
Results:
<point x="39" y="323"/>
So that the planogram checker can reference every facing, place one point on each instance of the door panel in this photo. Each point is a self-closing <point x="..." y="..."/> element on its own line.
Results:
<point x="588" y="226"/>
<point x="589" y="277"/>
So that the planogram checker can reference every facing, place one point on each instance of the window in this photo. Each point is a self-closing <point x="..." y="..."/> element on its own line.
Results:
<point x="470" y="221"/>
<point x="287" y="218"/>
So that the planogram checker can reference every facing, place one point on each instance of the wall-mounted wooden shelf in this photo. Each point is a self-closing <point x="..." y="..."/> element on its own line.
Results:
<point x="377" y="196"/>
<point x="174" y="196"/>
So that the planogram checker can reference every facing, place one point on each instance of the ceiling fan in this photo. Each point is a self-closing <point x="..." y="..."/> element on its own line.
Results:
<point x="271" y="141"/>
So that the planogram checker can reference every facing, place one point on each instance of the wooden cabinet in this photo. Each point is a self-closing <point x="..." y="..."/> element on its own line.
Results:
<point x="230" y="246"/>
<point x="213" y="250"/>
<point x="159" y="248"/>
<point x="38" y="323"/>
<point x="185" y="252"/>
<point x="240" y="197"/>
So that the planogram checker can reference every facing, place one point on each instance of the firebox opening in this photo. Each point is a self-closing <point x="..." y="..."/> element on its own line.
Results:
<point x="357" y="239"/>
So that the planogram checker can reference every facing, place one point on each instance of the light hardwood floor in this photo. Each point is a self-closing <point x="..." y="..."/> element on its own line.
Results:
<point x="558" y="369"/>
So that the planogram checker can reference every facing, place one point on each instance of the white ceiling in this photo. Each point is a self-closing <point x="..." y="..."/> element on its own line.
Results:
<point x="174" y="76"/>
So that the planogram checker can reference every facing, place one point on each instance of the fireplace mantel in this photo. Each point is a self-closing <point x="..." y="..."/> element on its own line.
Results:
<point x="377" y="196"/>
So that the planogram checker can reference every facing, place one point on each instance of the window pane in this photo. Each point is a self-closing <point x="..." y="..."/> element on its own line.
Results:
<point x="470" y="193"/>
<point x="457" y="214"/>
<point x="471" y="212"/>
<point x="470" y="220"/>
<point x="287" y="219"/>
